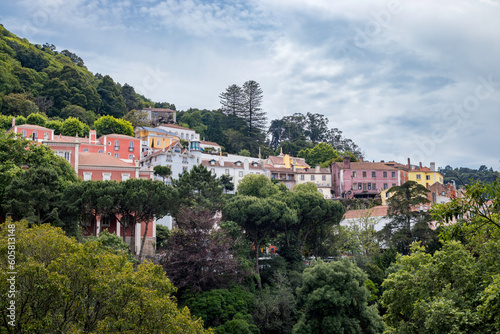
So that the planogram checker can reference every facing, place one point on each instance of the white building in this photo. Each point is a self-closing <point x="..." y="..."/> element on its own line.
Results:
<point x="182" y="132"/>
<point x="237" y="170"/>
<point x="321" y="177"/>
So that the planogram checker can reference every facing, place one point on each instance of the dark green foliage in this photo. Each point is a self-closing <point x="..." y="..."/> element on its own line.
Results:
<point x="215" y="307"/>
<point x="333" y="299"/>
<point x="240" y="324"/>
<point x="162" y="171"/>
<point x="162" y="234"/>
<point x="465" y="176"/>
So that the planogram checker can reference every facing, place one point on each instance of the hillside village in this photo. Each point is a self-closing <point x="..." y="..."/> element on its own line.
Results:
<point x="120" y="157"/>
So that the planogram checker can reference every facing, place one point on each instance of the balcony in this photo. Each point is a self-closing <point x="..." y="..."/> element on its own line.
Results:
<point x="130" y="149"/>
<point x="117" y="147"/>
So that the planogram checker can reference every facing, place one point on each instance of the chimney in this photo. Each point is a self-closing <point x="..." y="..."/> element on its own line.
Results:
<point x="13" y="121"/>
<point x="361" y="159"/>
<point x="409" y="165"/>
<point x="420" y="164"/>
<point x="433" y="166"/>
<point x="347" y="163"/>
<point x="318" y="169"/>
<point x="221" y="161"/>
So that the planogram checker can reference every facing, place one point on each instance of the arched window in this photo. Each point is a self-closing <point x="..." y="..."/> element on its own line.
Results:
<point x="85" y="150"/>
<point x="131" y="146"/>
<point x="23" y="133"/>
<point x="100" y="151"/>
<point x="117" y="145"/>
<point x="182" y="135"/>
<point x="46" y="136"/>
<point x="34" y="135"/>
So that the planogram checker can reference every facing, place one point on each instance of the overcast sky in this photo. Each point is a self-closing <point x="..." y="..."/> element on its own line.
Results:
<point x="417" y="79"/>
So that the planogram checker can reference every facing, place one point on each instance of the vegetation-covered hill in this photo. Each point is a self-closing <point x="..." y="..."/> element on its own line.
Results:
<point x="464" y="175"/>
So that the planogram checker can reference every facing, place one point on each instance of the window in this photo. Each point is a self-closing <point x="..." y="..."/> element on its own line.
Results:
<point x="34" y="135"/>
<point x="288" y="185"/>
<point x="109" y="143"/>
<point x="257" y="173"/>
<point x="184" y="168"/>
<point x="354" y="186"/>
<point x="364" y="174"/>
<point x="427" y="177"/>
<point x="394" y="184"/>
<point x="131" y="156"/>
<point x="302" y="177"/>
<point x="87" y="176"/>
<point x="212" y="162"/>
<point x="385" y="186"/>
<point x="374" y="186"/>
<point x="360" y="186"/>
<point x="374" y="174"/>
<point x="46" y="136"/>
<point x="116" y="155"/>
<point x="369" y="186"/>
<point x="85" y="150"/>
<point x="184" y="160"/>
<point x="320" y="190"/>
<point x="131" y="146"/>
<point x="354" y="174"/>
<point x="364" y="186"/>
<point x="192" y="136"/>
<point x="67" y="155"/>
<point x="100" y="151"/>
<point x="182" y="136"/>
<point x="227" y="171"/>
<point x="158" y="142"/>
<point x="105" y="220"/>
<point x="393" y="174"/>
<point x="418" y="176"/>
<point x="384" y="174"/>
<point x="125" y="176"/>
<point x="169" y="157"/>
<point x="240" y="174"/>
<point x="117" y="145"/>
<point x="106" y="176"/>
<point x="312" y="177"/>
<point x="23" y="133"/>
<point x="323" y="177"/>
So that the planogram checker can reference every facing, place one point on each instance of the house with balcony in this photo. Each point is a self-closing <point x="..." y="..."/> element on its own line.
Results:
<point x="365" y="179"/>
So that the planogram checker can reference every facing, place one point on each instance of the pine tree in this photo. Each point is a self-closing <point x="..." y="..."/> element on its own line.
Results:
<point x="232" y="100"/>
<point x="252" y="111"/>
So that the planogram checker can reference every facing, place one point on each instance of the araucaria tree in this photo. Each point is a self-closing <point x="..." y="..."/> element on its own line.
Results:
<point x="232" y="101"/>
<point x="252" y="107"/>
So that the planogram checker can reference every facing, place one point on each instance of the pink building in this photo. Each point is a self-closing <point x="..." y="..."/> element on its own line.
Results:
<point x="365" y="179"/>
<point x="110" y="157"/>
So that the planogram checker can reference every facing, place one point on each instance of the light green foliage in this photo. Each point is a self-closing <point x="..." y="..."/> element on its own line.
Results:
<point x="257" y="185"/>
<point x="36" y="119"/>
<point x="240" y="324"/>
<point x="321" y="154"/>
<point x="333" y="299"/>
<point x="64" y="286"/>
<point x="307" y="187"/>
<point x="105" y="125"/>
<point x="244" y="152"/>
<point x="56" y="125"/>
<point x="360" y="237"/>
<point x="74" y="127"/>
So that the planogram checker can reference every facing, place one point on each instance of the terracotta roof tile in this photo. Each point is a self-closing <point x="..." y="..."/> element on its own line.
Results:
<point x="377" y="211"/>
<point x="209" y="143"/>
<point x="31" y="126"/>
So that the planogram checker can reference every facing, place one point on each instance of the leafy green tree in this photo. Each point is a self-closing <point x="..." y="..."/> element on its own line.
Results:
<point x="18" y="105"/>
<point x="130" y="97"/>
<point x="198" y="187"/>
<point x="244" y="152"/>
<point x="85" y="116"/>
<point x="218" y="306"/>
<point x="317" y="127"/>
<point x="333" y="299"/>
<point x="226" y="183"/>
<point x="261" y="218"/>
<point x="257" y="185"/>
<point x="406" y="216"/>
<point x="321" y="154"/>
<point x="65" y="286"/>
<point x="162" y="171"/>
<point x="36" y="119"/>
<point x="162" y="234"/>
<point x="112" y="101"/>
<point x="106" y="125"/>
<point x="56" y="125"/>
<point x="74" y="127"/>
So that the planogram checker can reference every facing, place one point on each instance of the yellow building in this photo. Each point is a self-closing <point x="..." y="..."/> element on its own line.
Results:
<point x="424" y="175"/>
<point x="155" y="138"/>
